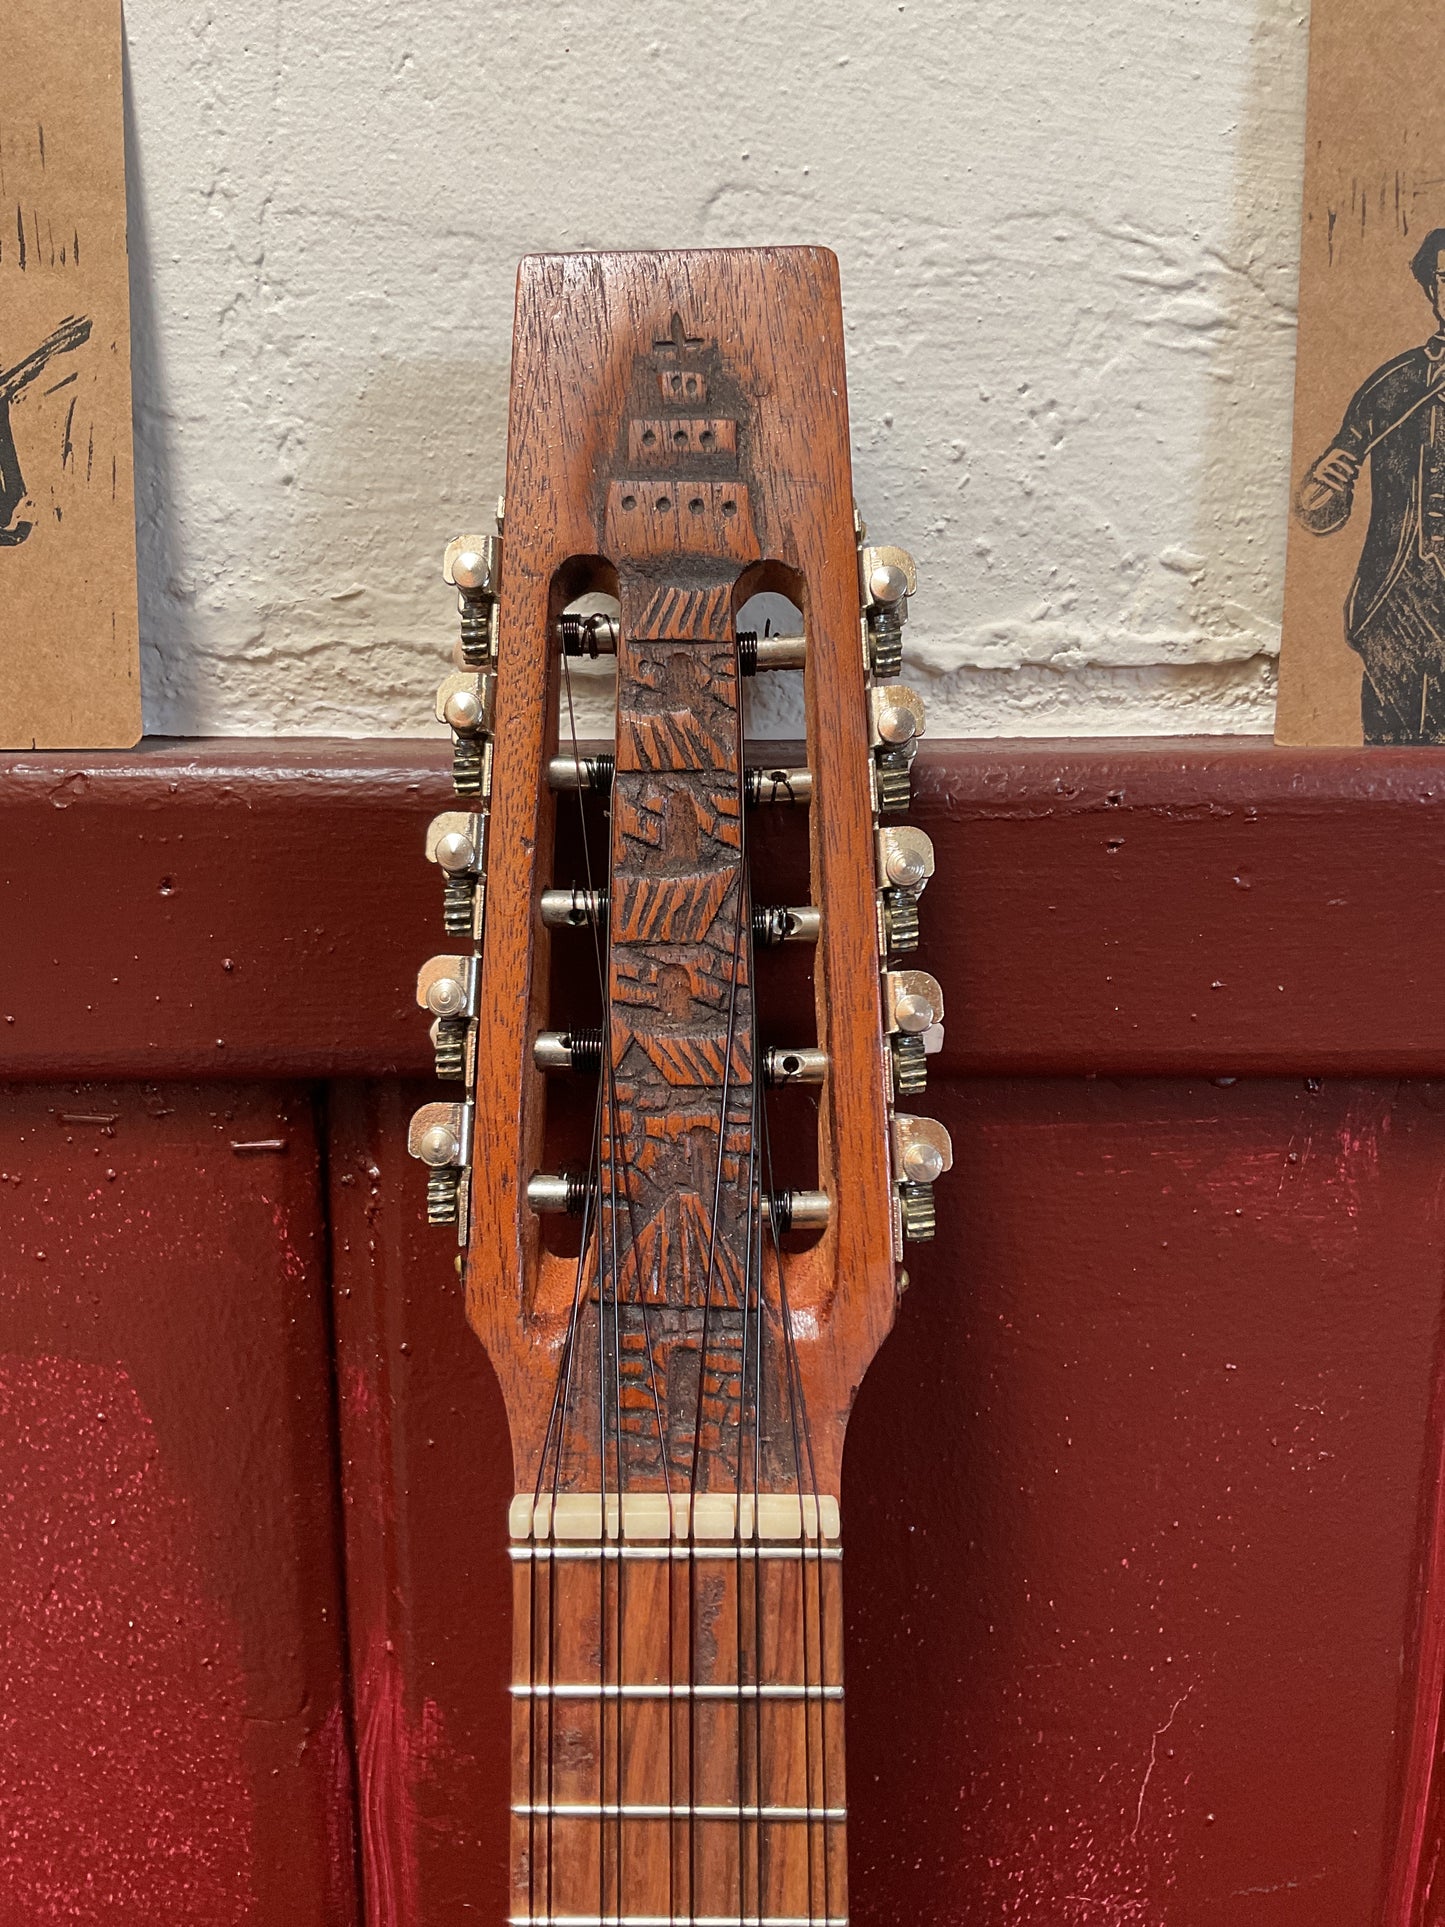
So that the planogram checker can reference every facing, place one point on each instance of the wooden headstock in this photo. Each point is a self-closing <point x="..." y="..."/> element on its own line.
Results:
<point x="679" y="442"/>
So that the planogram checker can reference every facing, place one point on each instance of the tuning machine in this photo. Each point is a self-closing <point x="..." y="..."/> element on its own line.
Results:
<point x="464" y="704"/>
<point x="922" y="1152"/>
<point x="899" y="717"/>
<point x="913" y="1021"/>
<point x="456" y="843"/>
<point x="905" y="863"/>
<point x="472" y="565"/>
<point x="440" y="1135"/>
<point x="887" y="578"/>
<point x="447" y="987"/>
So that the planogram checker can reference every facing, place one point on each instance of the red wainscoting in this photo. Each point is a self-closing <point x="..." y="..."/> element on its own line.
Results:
<point x="1146" y="1551"/>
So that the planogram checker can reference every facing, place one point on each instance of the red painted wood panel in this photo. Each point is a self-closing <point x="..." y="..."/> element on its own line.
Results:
<point x="173" y="1720"/>
<point x="1133" y="1503"/>
<point x="427" y="1477"/>
<point x="1154" y="1300"/>
<point x="259" y="909"/>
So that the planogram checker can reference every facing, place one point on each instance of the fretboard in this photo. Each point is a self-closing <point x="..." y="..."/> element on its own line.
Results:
<point x="678" y="1717"/>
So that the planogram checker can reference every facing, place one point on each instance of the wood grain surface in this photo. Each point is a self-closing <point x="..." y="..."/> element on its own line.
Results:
<point x="583" y="325"/>
<point x="679" y="437"/>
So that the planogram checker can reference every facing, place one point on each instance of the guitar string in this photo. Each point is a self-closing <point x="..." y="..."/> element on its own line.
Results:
<point x="724" y="1106"/>
<point x="758" y="1578"/>
<point x="594" y="1189"/>
<point x="753" y="1283"/>
<point x="560" y="1398"/>
<point x="798" y="1424"/>
<point x="797" y="1418"/>
<point x="799" y="1408"/>
<point x="619" y="1186"/>
<point x="755" y="1280"/>
<point x="619" y="1566"/>
<point x="749" y="1280"/>
<point x="606" y="1090"/>
<point x="796" y="1410"/>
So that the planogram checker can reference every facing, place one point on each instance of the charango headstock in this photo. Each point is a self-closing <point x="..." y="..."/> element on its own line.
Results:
<point x="679" y="1332"/>
<point x="679" y="443"/>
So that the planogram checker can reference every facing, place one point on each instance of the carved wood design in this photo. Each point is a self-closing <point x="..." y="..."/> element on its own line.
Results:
<point x="756" y="361"/>
<point x="679" y="425"/>
<point x="678" y="1188"/>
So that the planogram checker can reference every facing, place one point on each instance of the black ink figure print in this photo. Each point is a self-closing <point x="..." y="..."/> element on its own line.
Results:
<point x="1395" y="614"/>
<point x="69" y="335"/>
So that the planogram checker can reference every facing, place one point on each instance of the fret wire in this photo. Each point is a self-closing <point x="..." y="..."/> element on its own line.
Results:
<point x="641" y="1810"/>
<point x="612" y="1690"/>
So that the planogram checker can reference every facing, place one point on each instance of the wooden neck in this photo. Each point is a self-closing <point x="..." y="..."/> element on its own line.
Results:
<point x="678" y="1717"/>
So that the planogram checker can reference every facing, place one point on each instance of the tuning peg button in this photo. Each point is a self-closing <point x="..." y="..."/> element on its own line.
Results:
<point x="447" y="986"/>
<point x="905" y="857"/>
<point x="455" y="841"/>
<point x="440" y="1136"/>
<point x="887" y="578"/>
<point x="888" y="575"/>
<point x="912" y="1001"/>
<point x="473" y="566"/>
<point x="922" y="1152"/>
<point x="905" y="864"/>
<point x="900" y="716"/>
<point x="464" y="702"/>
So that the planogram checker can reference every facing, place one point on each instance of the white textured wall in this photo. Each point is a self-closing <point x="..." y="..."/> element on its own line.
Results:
<point x="1069" y="243"/>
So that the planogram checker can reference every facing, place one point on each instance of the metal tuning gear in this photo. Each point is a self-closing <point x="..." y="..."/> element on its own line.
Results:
<point x="464" y="704"/>
<point x="899" y="718"/>
<point x="905" y="864"/>
<point x="913" y="1022"/>
<point x="447" y="987"/>
<point x="886" y="579"/>
<point x="922" y="1152"/>
<point x="456" y="843"/>
<point x="472" y="565"/>
<point x="441" y="1137"/>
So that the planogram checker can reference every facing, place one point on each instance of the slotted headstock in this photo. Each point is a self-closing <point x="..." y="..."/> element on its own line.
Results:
<point x="678" y="444"/>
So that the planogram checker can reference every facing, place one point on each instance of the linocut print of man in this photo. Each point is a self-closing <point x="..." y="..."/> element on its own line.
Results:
<point x="1395" y="614"/>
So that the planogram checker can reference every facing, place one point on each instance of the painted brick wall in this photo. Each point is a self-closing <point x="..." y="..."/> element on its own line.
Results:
<point x="1069" y="245"/>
